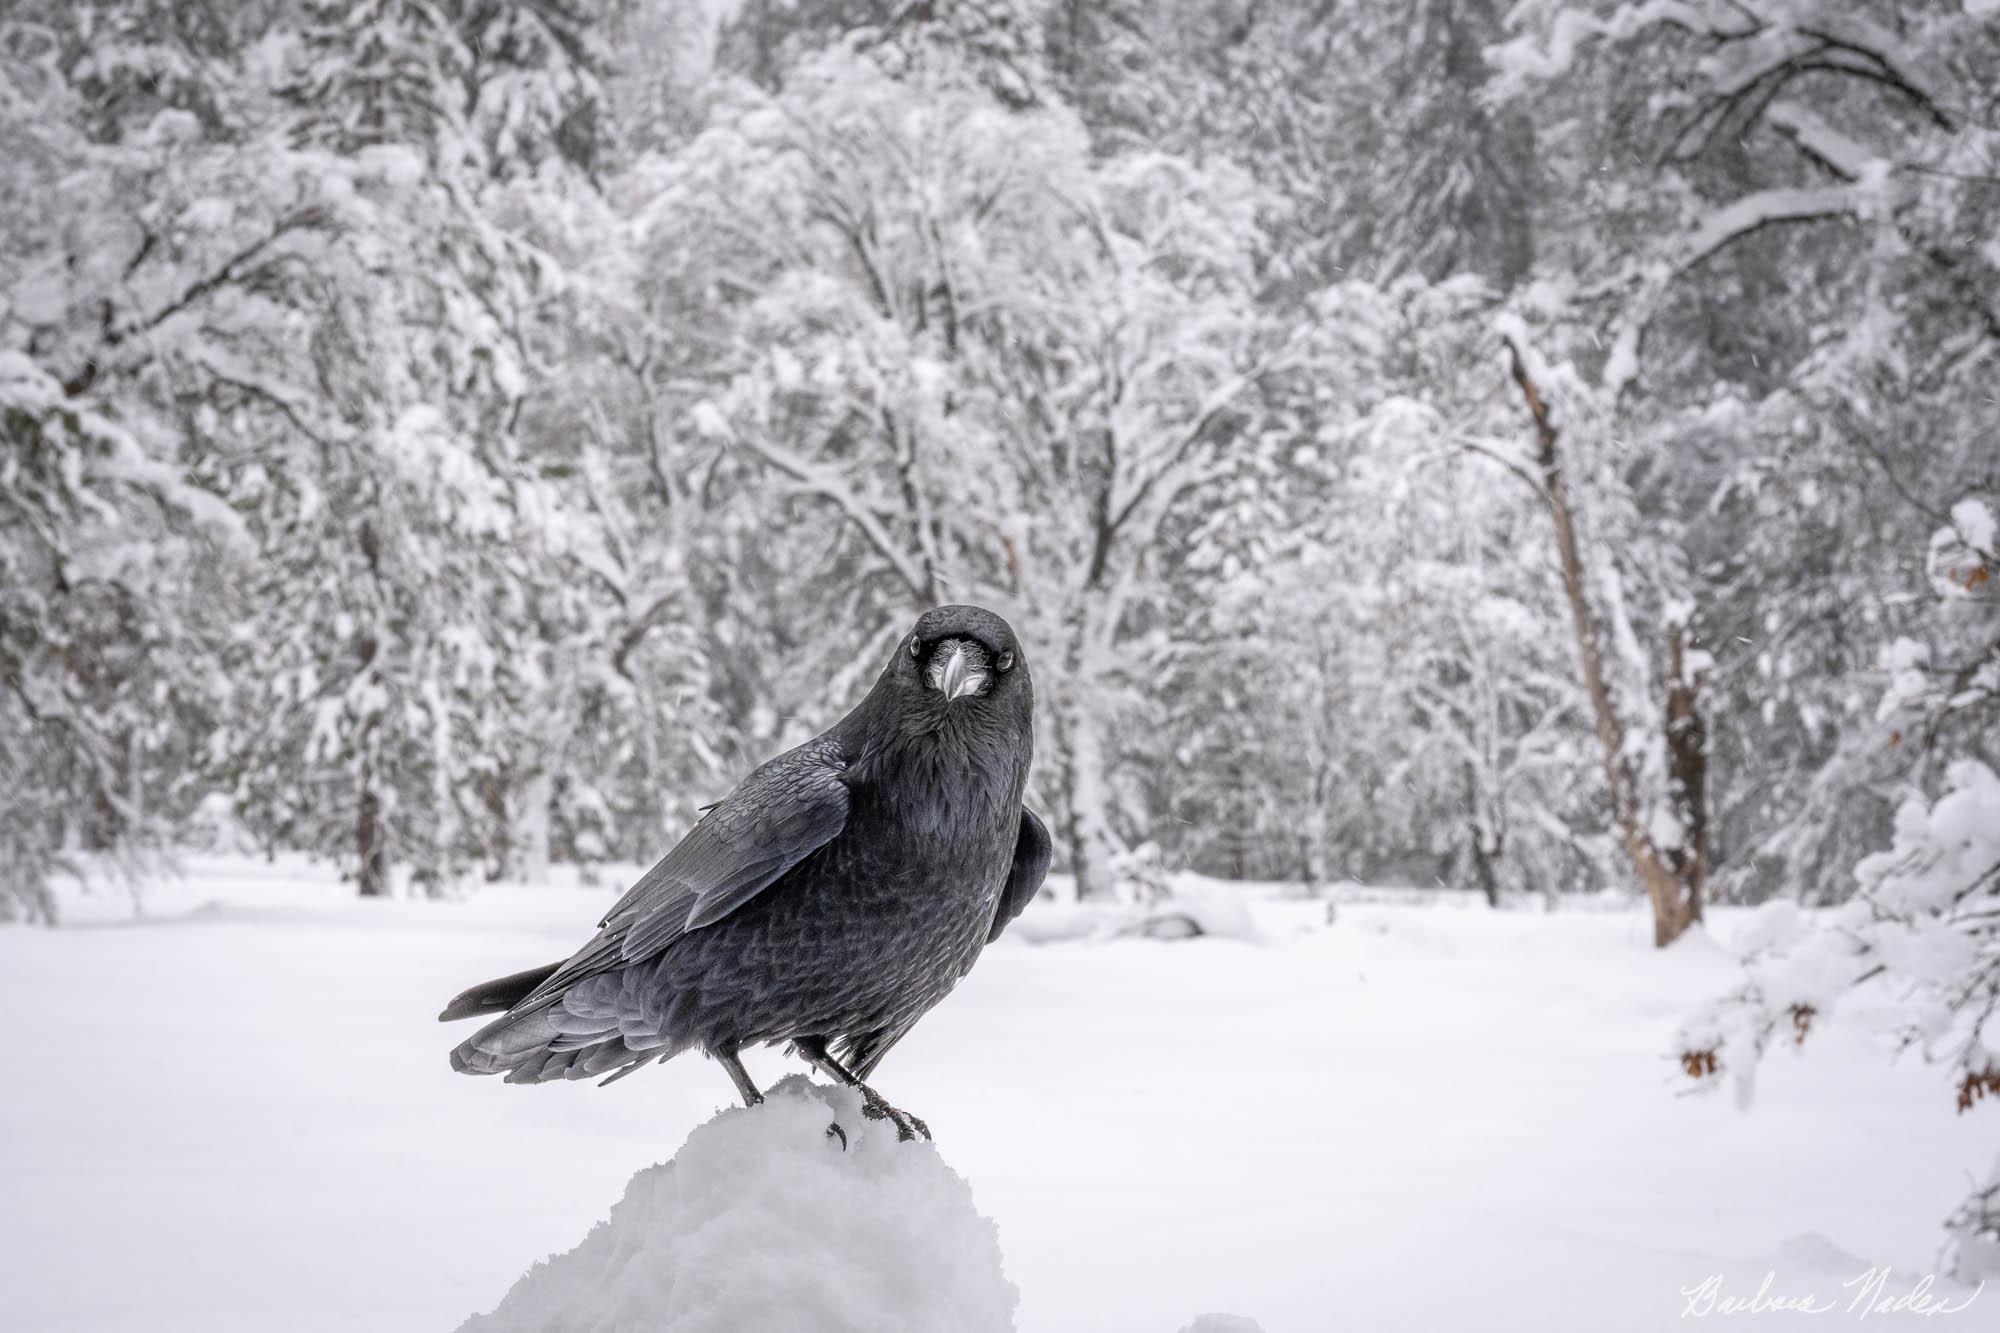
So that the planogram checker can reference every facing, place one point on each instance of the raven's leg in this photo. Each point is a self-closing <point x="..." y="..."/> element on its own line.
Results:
<point x="872" y="1103"/>
<point x="739" y="1076"/>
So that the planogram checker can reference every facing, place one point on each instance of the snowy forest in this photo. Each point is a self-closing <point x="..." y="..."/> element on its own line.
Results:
<point x="1537" y="449"/>
<point x="1548" y="449"/>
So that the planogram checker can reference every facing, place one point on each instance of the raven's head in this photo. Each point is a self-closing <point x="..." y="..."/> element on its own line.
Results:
<point x="964" y="657"/>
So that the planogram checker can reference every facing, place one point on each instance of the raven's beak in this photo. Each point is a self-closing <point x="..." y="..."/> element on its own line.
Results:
<point x="959" y="679"/>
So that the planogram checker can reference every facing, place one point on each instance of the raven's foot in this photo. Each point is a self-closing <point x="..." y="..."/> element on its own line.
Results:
<point x="907" y="1126"/>
<point x="834" y="1131"/>
<point x="873" y="1105"/>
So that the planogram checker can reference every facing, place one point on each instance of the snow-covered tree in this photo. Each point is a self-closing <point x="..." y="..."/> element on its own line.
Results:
<point x="1002" y="371"/>
<point x="1434" y="180"/>
<point x="391" y="648"/>
<point x="534" y="83"/>
<point x="997" y="43"/>
<point x="1390" y="693"/>
<point x="1923" y="926"/>
<point x="1757" y="319"/>
<point x="545" y="413"/>
<point x="99" y="524"/>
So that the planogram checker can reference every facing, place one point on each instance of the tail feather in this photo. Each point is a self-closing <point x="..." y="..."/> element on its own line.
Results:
<point x="503" y="1045"/>
<point x="547" y="1064"/>
<point x="497" y="996"/>
<point x="534" y="1047"/>
<point x="604" y="1025"/>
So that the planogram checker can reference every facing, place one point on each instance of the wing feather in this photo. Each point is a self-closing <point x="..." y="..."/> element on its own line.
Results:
<point x="783" y="812"/>
<point x="1024" y="878"/>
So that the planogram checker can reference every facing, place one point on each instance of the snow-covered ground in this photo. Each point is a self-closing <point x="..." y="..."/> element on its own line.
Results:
<point x="237" y="1115"/>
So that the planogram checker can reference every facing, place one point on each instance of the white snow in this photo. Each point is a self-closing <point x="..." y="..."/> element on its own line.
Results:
<point x="1763" y="207"/>
<point x="395" y="165"/>
<point x="237" y="1116"/>
<point x="1907" y="663"/>
<point x="764" y="1221"/>
<point x="1841" y="154"/>
<point x="1975" y="523"/>
<point x="1524" y="61"/>
<point x="41" y="297"/>
<point x="208" y="214"/>
<point x="1664" y="828"/>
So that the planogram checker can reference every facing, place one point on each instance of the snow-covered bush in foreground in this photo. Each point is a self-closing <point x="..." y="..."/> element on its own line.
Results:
<point x="762" y="1221"/>
<point x="1923" y="930"/>
<point x="1926" y="922"/>
<point x="1975" y="1231"/>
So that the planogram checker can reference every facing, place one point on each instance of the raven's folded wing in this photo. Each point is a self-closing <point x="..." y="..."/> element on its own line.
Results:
<point x="1024" y="877"/>
<point x="783" y="812"/>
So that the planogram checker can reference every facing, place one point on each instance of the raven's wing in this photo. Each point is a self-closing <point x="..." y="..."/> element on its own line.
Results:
<point x="1024" y="878"/>
<point x="783" y="812"/>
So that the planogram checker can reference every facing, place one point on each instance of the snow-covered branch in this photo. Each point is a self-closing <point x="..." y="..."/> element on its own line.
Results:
<point x="827" y="484"/>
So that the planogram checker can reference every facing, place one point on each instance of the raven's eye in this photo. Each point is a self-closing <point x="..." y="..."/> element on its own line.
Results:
<point x="1005" y="661"/>
<point x="916" y="647"/>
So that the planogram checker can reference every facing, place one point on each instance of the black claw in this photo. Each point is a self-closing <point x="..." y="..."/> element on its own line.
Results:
<point x="834" y="1131"/>
<point x="908" y="1126"/>
<point x="873" y="1105"/>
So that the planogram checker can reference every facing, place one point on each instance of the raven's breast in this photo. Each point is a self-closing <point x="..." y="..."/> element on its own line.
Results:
<point x="864" y="934"/>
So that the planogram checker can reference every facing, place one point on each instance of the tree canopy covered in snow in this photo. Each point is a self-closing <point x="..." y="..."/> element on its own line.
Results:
<point x="450" y="435"/>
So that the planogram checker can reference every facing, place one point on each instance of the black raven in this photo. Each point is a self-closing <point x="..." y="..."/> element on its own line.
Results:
<point x="829" y="901"/>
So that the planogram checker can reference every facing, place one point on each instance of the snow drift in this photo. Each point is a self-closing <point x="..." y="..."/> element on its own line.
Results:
<point x="762" y="1221"/>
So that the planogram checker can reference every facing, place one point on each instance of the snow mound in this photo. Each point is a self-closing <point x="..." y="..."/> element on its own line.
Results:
<point x="1223" y="1323"/>
<point x="762" y="1221"/>
<point x="1190" y="914"/>
<point x="1189" y="911"/>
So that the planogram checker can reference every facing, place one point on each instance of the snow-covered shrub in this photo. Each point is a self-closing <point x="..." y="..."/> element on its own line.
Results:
<point x="1142" y="874"/>
<point x="1926" y="923"/>
<point x="1218" y="912"/>
<point x="1975" y="1231"/>
<point x="1923" y="927"/>
<point x="1157" y="905"/>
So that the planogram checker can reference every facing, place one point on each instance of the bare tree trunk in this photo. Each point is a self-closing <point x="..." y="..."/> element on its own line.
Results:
<point x="1488" y="842"/>
<point x="1482" y="862"/>
<point x="371" y="842"/>
<point x="495" y="797"/>
<point x="1087" y="824"/>
<point x="1687" y="768"/>
<point x="523" y="835"/>
<point x="1673" y="877"/>
<point x="108" y="822"/>
<point x="371" y="836"/>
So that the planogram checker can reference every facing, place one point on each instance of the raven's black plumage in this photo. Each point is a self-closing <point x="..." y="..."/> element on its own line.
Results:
<point x="830" y="900"/>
